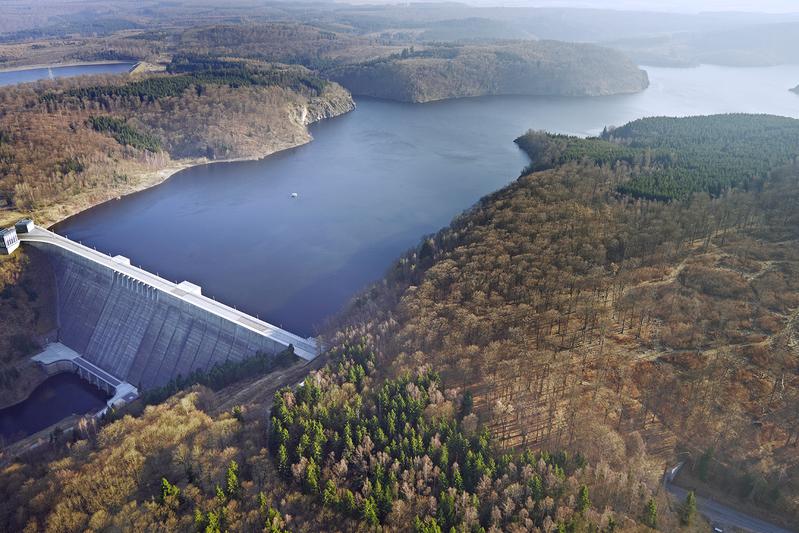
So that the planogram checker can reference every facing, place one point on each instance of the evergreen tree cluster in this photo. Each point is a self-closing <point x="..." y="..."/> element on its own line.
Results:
<point x="673" y="158"/>
<point x="124" y="133"/>
<point x="221" y="374"/>
<point x="146" y="90"/>
<point x="195" y="72"/>
<point x="361" y="450"/>
<point x="243" y="73"/>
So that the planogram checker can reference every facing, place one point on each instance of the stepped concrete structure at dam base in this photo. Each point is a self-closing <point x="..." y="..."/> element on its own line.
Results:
<point x="57" y="358"/>
<point x="131" y="327"/>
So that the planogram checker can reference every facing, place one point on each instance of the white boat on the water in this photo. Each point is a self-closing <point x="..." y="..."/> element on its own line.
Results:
<point x="295" y="195"/>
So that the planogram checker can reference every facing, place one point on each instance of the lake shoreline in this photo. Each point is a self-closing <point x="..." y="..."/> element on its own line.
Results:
<point x="148" y="180"/>
<point x="145" y="179"/>
<point x="370" y="185"/>
<point x="23" y="68"/>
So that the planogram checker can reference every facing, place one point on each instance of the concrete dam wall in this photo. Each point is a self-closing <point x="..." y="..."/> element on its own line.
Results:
<point x="146" y="330"/>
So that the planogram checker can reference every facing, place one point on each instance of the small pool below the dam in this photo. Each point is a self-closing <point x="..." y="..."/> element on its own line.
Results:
<point x="57" y="398"/>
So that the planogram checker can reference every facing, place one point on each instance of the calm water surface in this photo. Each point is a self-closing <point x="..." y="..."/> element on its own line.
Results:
<point x="370" y="185"/>
<point x="35" y="74"/>
<point x="60" y="396"/>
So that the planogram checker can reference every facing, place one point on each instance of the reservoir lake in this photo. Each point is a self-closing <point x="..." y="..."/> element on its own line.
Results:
<point x="12" y="77"/>
<point x="369" y="186"/>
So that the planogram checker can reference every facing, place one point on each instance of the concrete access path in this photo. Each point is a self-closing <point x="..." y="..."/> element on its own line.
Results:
<point x="307" y="349"/>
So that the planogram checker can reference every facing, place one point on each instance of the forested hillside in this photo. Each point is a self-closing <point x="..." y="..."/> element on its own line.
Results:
<point x="398" y="67"/>
<point x="347" y="450"/>
<point x="412" y="22"/>
<point x="68" y="144"/>
<point x="669" y="158"/>
<point x="625" y="329"/>
<point x="389" y="68"/>
<point x="522" y="68"/>
<point x="322" y="33"/>
<point x="303" y="44"/>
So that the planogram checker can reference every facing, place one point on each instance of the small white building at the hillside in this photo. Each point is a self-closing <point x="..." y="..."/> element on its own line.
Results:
<point x="8" y="241"/>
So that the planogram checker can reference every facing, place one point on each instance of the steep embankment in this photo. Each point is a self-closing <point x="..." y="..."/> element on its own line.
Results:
<point x="525" y="68"/>
<point x="27" y="311"/>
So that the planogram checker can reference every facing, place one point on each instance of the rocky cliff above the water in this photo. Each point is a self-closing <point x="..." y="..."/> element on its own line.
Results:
<point x="519" y="68"/>
<point x="334" y="101"/>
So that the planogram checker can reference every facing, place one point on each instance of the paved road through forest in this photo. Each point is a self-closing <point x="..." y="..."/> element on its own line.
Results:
<point x="728" y="517"/>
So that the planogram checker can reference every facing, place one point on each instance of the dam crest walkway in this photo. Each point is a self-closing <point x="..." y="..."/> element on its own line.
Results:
<point x="191" y="294"/>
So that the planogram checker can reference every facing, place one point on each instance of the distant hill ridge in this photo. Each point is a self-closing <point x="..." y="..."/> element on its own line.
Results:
<point x="540" y="68"/>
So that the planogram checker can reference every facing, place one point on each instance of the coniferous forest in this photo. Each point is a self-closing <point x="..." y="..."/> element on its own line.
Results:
<point x="672" y="158"/>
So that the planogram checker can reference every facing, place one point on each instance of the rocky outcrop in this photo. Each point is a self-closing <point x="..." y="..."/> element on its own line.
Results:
<point x="334" y="101"/>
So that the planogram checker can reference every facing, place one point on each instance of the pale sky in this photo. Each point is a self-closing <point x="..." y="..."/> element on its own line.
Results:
<point x="684" y="6"/>
<point x="688" y="6"/>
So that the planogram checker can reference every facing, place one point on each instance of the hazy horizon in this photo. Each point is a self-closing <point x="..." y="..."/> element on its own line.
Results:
<point x="675" y="6"/>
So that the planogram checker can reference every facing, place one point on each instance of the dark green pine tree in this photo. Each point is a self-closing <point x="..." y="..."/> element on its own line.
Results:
<point x="232" y="480"/>
<point x="583" y="501"/>
<point x="330" y="494"/>
<point x="688" y="509"/>
<point x="651" y="514"/>
<point x="169" y="492"/>
<point x="370" y="511"/>
<point x="283" y="461"/>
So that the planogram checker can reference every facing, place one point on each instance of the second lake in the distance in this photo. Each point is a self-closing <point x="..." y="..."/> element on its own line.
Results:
<point x="369" y="186"/>
<point x="26" y="75"/>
